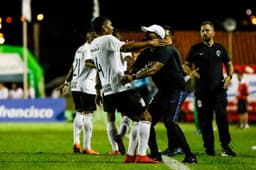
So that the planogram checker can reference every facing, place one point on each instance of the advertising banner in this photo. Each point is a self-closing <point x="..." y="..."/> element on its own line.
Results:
<point x="32" y="110"/>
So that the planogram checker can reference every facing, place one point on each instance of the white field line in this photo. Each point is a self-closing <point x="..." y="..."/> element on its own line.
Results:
<point x="174" y="164"/>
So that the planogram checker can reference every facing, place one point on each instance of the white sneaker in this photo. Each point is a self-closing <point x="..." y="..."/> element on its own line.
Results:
<point x="246" y="126"/>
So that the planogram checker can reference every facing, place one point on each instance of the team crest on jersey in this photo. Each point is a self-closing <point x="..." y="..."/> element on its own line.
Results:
<point x="199" y="103"/>
<point x="218" y="53"/>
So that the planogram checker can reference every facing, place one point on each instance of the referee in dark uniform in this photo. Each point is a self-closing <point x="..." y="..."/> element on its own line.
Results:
<point x="211" y="87"/>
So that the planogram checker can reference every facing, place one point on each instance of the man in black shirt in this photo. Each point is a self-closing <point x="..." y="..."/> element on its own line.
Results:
<point x="164" y="65"/>
<point x="210" y="91"/>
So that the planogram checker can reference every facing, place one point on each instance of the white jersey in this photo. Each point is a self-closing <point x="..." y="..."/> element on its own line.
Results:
<point x="106" y="52"/>
<point x="83" y="79"/>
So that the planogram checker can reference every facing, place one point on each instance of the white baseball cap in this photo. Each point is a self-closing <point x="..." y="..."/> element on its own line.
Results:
<point x="156" y="29"/>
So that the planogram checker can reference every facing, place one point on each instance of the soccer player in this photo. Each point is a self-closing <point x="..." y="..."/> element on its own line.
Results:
<point x="81" y="78"/>
<point x="116" y="138"/>
<point x="106" y="50"/>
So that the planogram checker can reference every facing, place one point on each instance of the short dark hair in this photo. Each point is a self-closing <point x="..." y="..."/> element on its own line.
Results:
<point x="167" y="27"/>
<point x="207" y="23"/>
<point x="98" y="22"/>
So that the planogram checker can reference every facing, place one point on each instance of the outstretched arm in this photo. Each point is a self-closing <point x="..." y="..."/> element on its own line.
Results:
<point x="132" y="46"/>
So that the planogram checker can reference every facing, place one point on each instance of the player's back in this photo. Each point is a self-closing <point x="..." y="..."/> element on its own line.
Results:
<point x="83" y="76"/>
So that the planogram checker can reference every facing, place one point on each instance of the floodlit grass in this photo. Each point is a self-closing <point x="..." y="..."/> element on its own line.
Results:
<point x="49" y="146"/>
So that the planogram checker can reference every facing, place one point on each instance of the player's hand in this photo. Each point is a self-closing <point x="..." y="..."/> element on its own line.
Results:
<point x="194" y="73"/>
<point x="227" y="81"/>
<point x="63" y="89"/>
<point x="126" y="79"/>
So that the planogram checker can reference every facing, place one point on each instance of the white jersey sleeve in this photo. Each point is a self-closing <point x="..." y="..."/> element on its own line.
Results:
<point x="106" y="52"/>
<point x="83" y="79"/>
<point x="124" y="60"/>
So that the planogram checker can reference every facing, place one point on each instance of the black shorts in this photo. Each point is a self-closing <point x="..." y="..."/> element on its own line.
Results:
<point x="167" y="104"/>
<point x="129" y="103"/>
<point x="241" y="106"/>
<point x="84" y="101"/>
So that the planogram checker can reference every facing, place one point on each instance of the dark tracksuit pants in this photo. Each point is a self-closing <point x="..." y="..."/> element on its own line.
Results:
<point x="167" y="105"/>
<point x="208" y="103"/>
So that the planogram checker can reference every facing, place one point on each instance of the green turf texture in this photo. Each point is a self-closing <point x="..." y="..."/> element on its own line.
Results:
<point x="48" y="146"/>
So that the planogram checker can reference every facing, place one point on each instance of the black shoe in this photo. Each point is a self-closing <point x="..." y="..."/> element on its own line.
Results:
<point x="156" y="157"/>
<point x="172" y="152"/>
<point x="165" y="151"/>
<point x="210" y="152"/>
<point x="227" y="151"/>
<point x="120" y="144"/>
<point x="191" y="159"/>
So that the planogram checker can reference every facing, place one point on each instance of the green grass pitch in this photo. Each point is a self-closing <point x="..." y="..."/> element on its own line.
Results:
<point x="46" y="146"/>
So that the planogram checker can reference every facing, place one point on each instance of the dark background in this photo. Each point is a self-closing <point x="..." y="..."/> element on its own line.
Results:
<point x="66" y="22"/>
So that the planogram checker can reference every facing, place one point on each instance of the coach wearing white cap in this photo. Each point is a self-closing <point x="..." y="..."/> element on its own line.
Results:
<point x="165" y="68"/>
<point x="157" y="29"/>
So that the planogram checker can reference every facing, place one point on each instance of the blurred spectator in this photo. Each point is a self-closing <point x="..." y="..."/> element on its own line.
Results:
<point x="31" y="92"/>
<point x="243" y="92"/>
<point x="3" y="91"/>
<point x="16" y="92"/>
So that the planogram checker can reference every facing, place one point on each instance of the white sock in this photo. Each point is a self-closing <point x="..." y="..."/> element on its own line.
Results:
<point x="143" y="137"/>
<point x="133" y="139"/>
<point x="112" y="132"/>
<point x="124" y="125"/>
<point x="77" y="126"/>
<point x="87" y="129"/>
